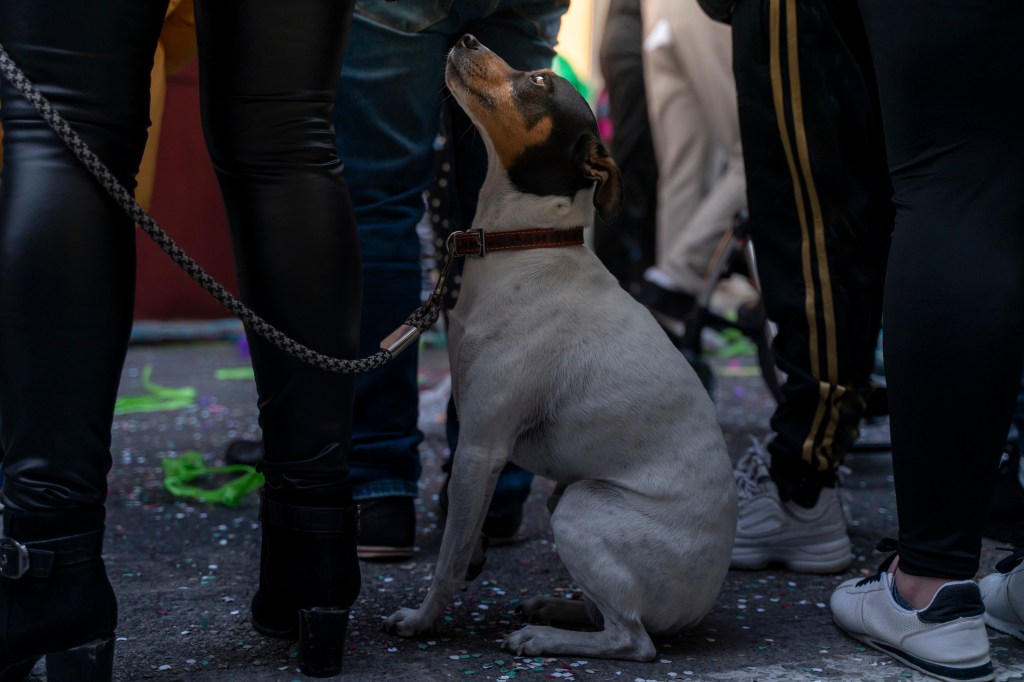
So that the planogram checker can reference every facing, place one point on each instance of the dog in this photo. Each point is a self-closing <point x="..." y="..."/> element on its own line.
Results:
<point x="555" y="367"/>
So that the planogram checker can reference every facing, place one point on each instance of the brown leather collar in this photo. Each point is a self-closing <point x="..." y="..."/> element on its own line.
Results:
<point x="478" y="243"/>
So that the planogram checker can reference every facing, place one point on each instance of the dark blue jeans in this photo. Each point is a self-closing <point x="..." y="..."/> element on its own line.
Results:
<point x="388" y="112"/>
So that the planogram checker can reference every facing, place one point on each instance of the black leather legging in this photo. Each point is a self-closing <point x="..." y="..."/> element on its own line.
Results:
<point x="269" y="70"/>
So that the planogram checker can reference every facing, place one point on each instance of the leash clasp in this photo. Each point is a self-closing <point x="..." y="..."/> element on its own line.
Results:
<point x="405" y="335"/>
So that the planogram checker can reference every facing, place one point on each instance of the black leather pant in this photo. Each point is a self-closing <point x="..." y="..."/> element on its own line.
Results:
<point x="269" y="71"/>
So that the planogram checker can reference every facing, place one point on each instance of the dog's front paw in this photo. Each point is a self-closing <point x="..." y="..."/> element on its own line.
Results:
<point x="406" y="623"/>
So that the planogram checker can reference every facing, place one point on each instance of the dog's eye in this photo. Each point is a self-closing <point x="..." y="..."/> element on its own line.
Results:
<point x="539" y="79"/>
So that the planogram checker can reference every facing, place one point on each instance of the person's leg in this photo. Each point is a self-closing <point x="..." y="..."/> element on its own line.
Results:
<point x="820" y="217"/>
<point x="67" y="267"/>
<point x="705" y="46"/>
<point x="682" y="140"/>
<point x="387" y="118"/>
<point x="955" y="282"/>
<point x="268" y="79"/>
<point x="626" y="246"/>
<point x="389" y="157"/>
<point x="954" y="288"/>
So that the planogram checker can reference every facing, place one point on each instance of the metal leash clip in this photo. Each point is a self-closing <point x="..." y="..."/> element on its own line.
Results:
<point x="405" y="335"/>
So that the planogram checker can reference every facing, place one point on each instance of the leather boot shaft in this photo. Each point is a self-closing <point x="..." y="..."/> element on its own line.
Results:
<point x="309" y="576"/>
<point x="54" y="591"/>
<point x="307" y="559"/>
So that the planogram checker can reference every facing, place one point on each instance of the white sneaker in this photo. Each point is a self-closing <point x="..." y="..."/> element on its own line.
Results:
<point x="1003" y="594"/>
<point x="946" y="639"/>
<point x="768" y="530"/>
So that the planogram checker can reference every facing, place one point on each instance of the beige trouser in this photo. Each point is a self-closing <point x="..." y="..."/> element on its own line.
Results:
<point x="691" y="99"/>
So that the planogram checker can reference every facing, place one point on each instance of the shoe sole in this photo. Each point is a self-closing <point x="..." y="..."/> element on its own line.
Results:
<point x="981" y="672"/>
<point x="375" y="553"/>
<point x="826" y="557"/>
<point x="1007" y="628"/>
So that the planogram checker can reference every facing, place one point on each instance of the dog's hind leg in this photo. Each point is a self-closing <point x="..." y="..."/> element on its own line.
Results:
<point x="605" y="560"/>
<point x="620" y="638"/>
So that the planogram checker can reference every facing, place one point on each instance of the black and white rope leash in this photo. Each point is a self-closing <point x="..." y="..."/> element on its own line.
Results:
<point x="419" y="321"/>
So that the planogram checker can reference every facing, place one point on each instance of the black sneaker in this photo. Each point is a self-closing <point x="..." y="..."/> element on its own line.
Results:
<point x="248" y="452"/>
<point x="387" y="529"/>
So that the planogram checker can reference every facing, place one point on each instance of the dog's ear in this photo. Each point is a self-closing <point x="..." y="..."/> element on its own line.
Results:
<point x="598" y="165"/>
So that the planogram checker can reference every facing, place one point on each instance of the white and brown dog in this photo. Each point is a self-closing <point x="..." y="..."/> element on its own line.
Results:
<point x="556" y="368"/>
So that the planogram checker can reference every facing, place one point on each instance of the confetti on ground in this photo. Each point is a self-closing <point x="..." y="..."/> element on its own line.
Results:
<point x="740" y="371"/>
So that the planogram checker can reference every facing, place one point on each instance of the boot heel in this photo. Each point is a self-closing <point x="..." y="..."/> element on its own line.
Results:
<point x="16" y="672"/>
<point x="90" y="662"/>
<point x="322" y="640"/>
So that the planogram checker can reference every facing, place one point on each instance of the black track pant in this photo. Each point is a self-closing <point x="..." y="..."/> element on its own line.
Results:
<point x="949" y="76"/>
<point x="820" y="217"/>
<point x="269" y="70"/>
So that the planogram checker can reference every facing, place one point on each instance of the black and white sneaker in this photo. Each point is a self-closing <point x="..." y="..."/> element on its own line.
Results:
<point x="1003" y="594"/>
<point x="945" y="640"/>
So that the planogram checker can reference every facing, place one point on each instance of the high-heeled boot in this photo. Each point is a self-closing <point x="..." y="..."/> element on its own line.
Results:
<point x="55" y="598"/>
<point x="309" y="577"/>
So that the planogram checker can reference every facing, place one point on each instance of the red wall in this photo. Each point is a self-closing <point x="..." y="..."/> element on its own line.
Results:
<point x="187" y="205"/>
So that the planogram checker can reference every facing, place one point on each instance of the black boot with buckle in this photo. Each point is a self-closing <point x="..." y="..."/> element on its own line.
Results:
<point x="309" y="573"/>
<point x="55" y="598"/>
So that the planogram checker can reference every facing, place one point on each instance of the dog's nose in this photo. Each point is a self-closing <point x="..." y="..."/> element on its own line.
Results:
<point x="469" y="42"/>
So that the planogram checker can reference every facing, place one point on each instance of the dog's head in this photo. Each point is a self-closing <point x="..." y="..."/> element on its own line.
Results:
<point x="537" y="126"/>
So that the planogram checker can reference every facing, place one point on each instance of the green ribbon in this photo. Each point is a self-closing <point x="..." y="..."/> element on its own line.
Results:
<point x="180" y="471"/>
<point x="234" y="373"/>
<point x="736" y="345"/>
<point x="157" y="398"/>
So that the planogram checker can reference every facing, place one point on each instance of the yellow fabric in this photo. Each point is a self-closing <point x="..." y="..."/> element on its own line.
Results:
<point x="176" y="48"/>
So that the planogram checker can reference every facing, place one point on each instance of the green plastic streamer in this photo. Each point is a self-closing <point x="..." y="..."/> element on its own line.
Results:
<point x="179" y="472"/>
<point x="234" y="373"/>
<point x="157" y="398"/>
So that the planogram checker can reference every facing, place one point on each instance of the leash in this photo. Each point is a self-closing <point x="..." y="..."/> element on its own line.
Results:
<point x="419" y="321"/>
<point x="474" y="243"/>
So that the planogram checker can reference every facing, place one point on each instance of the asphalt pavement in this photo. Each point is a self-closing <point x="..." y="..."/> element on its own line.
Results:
<point x="185" y="570"/>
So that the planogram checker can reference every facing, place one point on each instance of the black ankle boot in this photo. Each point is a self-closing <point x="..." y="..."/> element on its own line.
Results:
<point x="55" y="600"/>
<point x="309" y="577"/>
